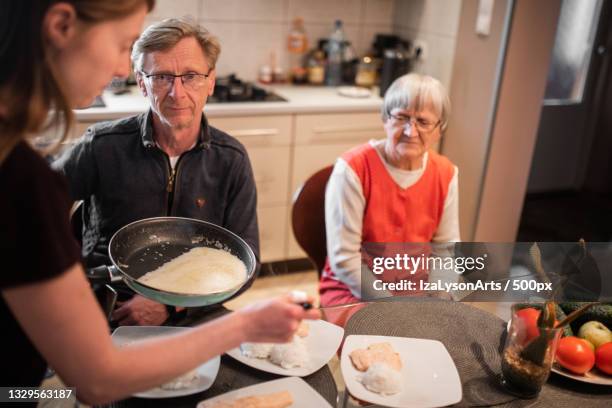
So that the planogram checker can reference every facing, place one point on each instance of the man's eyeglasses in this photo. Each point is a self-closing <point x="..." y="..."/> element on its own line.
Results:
<point x="421" y="124"/>
<point x="164" y="82"/>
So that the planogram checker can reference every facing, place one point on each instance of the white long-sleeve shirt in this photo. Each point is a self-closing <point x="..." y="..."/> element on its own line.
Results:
<point x="344" y="210"/>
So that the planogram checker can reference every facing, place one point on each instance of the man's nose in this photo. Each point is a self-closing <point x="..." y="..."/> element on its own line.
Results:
<point x="177" y="89"/>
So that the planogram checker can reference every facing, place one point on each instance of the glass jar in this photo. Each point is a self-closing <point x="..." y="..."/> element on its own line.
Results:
<point x="316" y="68"/>
<point x="366" y="72"/>
<point x="527" y="361"/>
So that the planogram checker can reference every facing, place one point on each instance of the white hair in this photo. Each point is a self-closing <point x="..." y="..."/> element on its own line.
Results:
<point x="415" y="91"/>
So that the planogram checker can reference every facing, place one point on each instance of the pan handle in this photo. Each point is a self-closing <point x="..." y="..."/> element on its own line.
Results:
<point x="103" y="274"/>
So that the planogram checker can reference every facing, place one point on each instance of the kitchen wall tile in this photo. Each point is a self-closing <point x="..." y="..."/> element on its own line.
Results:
<point x="404" y="31"/>
<point x="326" y="11"/>
<point x="433" y="16"/>
<point x="244" y="54"/>
<point x="244" y="10"/>
<point x="367" y="34"/>
<point x="316" y="31"/>
<point x="267" y="23"/>
<point x="377" y="11"/>
<point x="408" y="13"/>
<point x="438" y="61"/>
<point x="175" y="8"/>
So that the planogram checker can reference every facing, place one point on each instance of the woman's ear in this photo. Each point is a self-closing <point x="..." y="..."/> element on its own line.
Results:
<point x="59" y="25"/>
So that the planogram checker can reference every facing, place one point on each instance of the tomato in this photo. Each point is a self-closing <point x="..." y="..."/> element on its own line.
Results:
<point x="575" y="354"/>
<point x="603" y="357"/>
<point x="530" y="316"/>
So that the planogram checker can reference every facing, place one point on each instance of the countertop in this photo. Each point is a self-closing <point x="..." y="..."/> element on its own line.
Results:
<point x="300" y="99"/>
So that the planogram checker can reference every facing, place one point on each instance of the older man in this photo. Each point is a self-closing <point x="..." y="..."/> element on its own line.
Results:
<point x="165" y="162"/>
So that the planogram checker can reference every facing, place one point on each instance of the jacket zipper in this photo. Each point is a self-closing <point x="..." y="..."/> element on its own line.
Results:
<point x="171" y="186"/>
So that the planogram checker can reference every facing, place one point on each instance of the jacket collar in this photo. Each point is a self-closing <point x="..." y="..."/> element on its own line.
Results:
<point x="146" y="131"/>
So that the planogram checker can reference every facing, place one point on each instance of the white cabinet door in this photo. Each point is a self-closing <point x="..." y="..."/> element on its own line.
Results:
<point x="257" y="131"/>
<point x="271" y="172"/>
<point x="307" y="161"/>
<point x="337" y="128"/>
<point x="268" y="142"/>
<point x="272" y="232"/>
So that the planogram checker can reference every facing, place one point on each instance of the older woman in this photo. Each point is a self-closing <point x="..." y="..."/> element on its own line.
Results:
<point x="392" y="190"/>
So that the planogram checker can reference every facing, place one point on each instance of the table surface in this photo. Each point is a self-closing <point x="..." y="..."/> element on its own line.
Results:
<point x="474" y="338"/>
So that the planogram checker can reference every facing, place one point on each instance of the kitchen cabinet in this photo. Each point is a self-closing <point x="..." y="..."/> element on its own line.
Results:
<point x="287" y="149"/>
<point x="268" y="142"/>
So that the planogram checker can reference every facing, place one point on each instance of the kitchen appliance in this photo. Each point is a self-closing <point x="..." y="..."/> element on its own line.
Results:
<point x="233" y="89"/>
<point x="395" y="56"/>
<point x="147" y="244"/>
<point x="396" y="62"/>
<point x="384" y="42"/>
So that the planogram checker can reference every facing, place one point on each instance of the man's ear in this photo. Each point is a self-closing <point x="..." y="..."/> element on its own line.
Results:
<point x="141" y="84"/>
<point x="211" y="78"/>
<point x="59" y="25"/>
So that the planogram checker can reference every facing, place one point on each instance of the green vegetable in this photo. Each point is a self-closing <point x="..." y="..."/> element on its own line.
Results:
<point x="602" y="313"/>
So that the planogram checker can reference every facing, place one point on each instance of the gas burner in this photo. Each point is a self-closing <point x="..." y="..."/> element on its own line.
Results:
<point x="232" y="89"/>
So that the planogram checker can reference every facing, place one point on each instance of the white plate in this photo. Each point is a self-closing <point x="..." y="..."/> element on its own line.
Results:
<point x="430" y="378"/>
<point x="303" y="395"/>
<point x="322" y="343"/>
<point x="354" y="92"/>
<point x="593" y="377"/>
<point x="207" y="372"/>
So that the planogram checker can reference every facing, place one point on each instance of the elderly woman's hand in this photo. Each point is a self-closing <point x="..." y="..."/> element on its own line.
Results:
<point x="275" y="320"/>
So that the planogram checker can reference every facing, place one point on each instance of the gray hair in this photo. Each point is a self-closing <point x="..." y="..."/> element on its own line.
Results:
<point x="166" y="34"/>
<point x="415" y="91"/>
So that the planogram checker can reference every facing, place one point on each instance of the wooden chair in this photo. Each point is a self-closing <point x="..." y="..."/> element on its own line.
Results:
<point x="308" y="217"/>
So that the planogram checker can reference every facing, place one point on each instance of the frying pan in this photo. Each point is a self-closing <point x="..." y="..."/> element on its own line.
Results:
<point x="145" y="245"/>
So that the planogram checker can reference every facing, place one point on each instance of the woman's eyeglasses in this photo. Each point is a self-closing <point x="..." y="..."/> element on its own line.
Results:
<point x="423" y="125"/>
<point x="164" y="82"/>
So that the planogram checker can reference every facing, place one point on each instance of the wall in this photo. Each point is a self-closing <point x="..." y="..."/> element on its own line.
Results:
<point x="473" y="95"/>
<point x="434" y="24"/>
<point x="513" y="136"/>
<point x="250" y="30"/>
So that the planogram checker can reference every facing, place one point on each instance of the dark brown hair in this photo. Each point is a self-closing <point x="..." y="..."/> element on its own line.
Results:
<point x="28" y="89"/>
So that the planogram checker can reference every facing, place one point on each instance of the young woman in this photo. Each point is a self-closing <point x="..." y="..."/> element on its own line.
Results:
<point x="59" y="55"/>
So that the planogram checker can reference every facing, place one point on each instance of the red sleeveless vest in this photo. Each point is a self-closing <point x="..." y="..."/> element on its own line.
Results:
<point x="392" y="214"/>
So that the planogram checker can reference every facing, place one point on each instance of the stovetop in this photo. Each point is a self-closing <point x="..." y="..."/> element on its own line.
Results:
<point x="232" y="89"/>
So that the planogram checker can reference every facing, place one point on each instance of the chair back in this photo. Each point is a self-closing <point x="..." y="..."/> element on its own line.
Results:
<point x="308" y="217"/>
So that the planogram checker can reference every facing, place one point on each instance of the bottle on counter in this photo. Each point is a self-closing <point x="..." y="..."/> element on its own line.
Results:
<point x="265" y="74"/>
<point x="297" y="45"/>
<point x="335" y="54"/>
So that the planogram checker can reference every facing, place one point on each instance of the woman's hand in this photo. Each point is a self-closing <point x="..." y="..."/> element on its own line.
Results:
<point x="274" y="320"/>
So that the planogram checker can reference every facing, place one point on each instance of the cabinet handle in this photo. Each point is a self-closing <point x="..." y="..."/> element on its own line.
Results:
<point x="253" y="132"/>
<point x="342" y="134"/>
<point x="342" y="129"/>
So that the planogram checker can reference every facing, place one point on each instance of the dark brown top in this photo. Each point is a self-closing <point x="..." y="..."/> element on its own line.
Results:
<point x="36" y="244"/>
